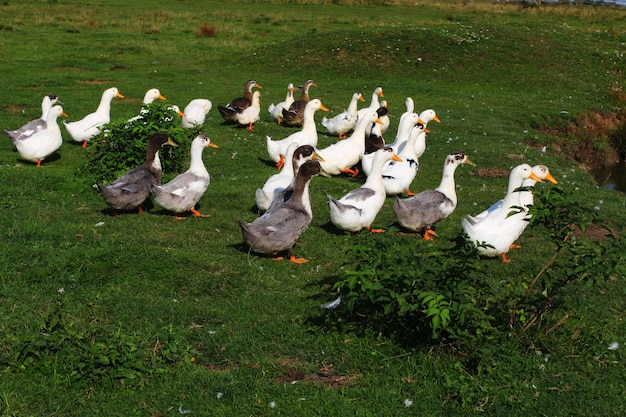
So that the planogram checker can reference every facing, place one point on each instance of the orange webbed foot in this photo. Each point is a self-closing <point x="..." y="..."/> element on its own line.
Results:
<point x="352" y="172"/>
<point x="504" y="259"/>
<point x="429" y="234"/>
<point x="281" y="162"/>
<point x="298" y="261"/>
<point x="375" y="230"/>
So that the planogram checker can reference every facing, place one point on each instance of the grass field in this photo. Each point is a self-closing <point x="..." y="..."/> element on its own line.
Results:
<point x="145" y="315"/>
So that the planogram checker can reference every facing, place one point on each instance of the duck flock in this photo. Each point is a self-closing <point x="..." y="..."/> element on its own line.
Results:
<point x="284" y="201"/>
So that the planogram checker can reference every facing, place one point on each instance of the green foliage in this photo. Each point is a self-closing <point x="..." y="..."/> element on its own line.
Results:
<point x="425" y="289"/>
<point x="121" y="145"/>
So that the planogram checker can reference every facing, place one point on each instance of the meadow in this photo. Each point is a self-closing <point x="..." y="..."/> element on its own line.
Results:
<point x="145" y="315"/>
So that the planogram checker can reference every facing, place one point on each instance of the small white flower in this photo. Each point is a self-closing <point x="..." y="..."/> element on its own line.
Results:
<point x="272" y="404"/>
<point x="407" y="402"/>
<point x="61" y="290"/>
<point x="219" y="395"/>
<point x="613" y="346"/>
<point x="212" y="332"/>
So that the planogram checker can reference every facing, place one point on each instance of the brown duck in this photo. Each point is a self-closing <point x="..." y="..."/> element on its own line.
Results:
<point x="295" y="114"/>
<point x="229" y="112"/>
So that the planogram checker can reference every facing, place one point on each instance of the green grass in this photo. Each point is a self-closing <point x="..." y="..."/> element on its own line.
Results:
<point x="141" y="315"/>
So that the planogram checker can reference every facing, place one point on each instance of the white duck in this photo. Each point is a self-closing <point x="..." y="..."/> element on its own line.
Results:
<point x="405" y="130"/>
<point x="183" y="192"/>
<point x="398" y="176"/>
<point x="358" y="209"/>
<point x="517" y="217"/>
<point x="279" y="182"/>
<point x="494" y="230"/>
<point x="277" y="230"/>
<point x="420" y="212"/>
<point x="276" y="111"/>
<point x="307" y="136"/>
<point x="374" y="103"/>
<point x="44" y="143"/>
<point x="344" y="122"/>
<point x="35" y="125"/>
<point x="420" y="144"/>
<point x="251" y="114"/>
<point x="148" y="98"/>
<point x="343" y="155"/>
<point x="195" y="112"/>
<point x="89" y="126"/>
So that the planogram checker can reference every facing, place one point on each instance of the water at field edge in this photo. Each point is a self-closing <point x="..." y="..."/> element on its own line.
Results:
<point x="612" y="178"/>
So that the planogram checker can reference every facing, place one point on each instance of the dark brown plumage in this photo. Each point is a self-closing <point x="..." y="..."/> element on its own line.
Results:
<point x="229" y="111"/>
<point x="295" y="114"/>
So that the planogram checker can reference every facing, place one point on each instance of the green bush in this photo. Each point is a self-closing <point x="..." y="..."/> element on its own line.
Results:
<point x="418" y="290"/>
<point x="121" y="146"/>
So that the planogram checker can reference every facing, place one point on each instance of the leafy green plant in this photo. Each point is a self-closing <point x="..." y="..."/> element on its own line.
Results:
<point x="121" y="145"/>
<point x="422" y="288"/>
<point x="576" y="260"/>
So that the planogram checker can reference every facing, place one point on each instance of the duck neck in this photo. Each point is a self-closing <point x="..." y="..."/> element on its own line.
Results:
<point x="447" y="185"/>
<point x="197" y="165"/>
<point x="308" y="120"/>
<point x="375" y="178"/>
<point x="105" y="104"/>
<point x="352" y="105"/>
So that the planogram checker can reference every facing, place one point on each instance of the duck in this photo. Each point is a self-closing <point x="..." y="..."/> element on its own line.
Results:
<point x="277" y="230"/>
<point x="250" y="114"/>
<point x="398" y="176"/>
<point x="495" y="230"/>
<point x="294" y="114"/>
<point x="195" y="112"/>
<point x="129" y="191"/>
<point x="385" y="118"/>
<point x="35" y="125"/>
<point x="306" y="136"/>
<point x="183" y="192"/>
<point x="279" y="182"/>
<point x="276" y="111"/>
<point x="420" y="212"/>
<point x="40" y="145"/>
<point x="405" y="126"/>
<point x="89" y="126"/>
<point x="230" y="110"/>
<point x="526" y="199"/>
<point x="148" y="98"/>
<point x="345" y="121"/>
<point x="341" y="156"/>
<point x="358" y="209"/>
<point x="405" y="129"/>
<point x="373" y="142"/>
<point x="374" y="103"/>
<point x="420" y="144"/>
<point x="151" y="95"/>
